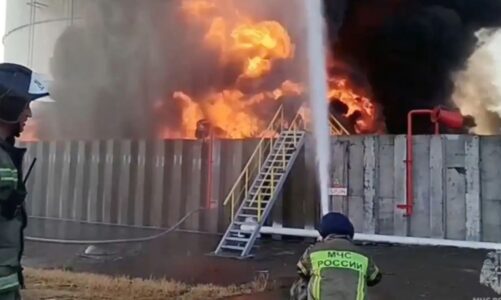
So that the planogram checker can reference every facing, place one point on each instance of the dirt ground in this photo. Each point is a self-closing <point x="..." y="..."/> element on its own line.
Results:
<point x="409" y="272"/>
<point x="64" y="285"/>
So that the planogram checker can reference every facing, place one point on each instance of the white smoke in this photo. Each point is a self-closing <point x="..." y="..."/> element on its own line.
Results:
<point x="478" y="87"/>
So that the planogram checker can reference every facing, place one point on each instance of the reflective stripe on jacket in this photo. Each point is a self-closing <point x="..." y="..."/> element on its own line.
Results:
<point x="337" y="269"/>
<point x="13" y="218"/>
<point x="9" y="283"/>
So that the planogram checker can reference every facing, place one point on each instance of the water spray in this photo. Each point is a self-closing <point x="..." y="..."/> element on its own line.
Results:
<point x="317" y="74"/>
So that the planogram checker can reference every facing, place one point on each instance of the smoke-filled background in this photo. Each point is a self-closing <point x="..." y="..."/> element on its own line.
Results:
<point x="411" y="50"/>
<point x="478" y="87"/>
<point x="133" y="69"/>
<point x="116" y="70"/>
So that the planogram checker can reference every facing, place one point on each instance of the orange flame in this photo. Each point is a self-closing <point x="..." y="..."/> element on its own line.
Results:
<point x="240" y="41"/>
<point x="253" y="47"/>
<point x="340" y="91"/>
<point x="198" y="8"/>
<point x="230" y="111"/>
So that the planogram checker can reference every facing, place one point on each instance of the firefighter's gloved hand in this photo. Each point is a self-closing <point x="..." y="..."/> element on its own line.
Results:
<point x="9" y="207"/>
<point x="376" y="280"/>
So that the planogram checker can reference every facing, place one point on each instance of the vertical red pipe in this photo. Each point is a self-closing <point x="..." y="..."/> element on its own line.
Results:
<point x="208" y="200"/>
<point x="409" y="183"/>
<point x="454" y="120"/>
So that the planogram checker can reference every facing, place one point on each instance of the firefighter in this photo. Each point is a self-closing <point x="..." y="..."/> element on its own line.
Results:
<point x="335" y="268"/>
<point x="18" y="87"/>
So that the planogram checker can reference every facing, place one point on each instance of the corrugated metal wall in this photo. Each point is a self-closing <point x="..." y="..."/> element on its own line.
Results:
<point x="143" y="183"/>
<point x="155" y="183"/>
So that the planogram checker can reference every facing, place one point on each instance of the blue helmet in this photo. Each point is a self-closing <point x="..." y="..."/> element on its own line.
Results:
<point x="18" y="87"/>
<point x="336" y="223"/>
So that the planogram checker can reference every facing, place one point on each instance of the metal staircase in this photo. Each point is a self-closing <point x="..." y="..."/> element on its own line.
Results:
<point x="257" y="188"/>
<point x="260" y="184"/>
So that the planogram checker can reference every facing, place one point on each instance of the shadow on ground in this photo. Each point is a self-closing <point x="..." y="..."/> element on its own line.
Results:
<point x="409" y="272"/>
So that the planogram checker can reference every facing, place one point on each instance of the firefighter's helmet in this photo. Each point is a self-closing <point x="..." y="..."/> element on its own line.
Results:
<point x="18" y="87"/>
<point x="336" y="223"/>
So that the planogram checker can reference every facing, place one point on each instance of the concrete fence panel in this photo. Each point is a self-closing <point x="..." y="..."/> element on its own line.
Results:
<point x="457" y="184"/>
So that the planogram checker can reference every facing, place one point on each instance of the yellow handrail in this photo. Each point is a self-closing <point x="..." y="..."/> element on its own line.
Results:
<point x="257" y="152"/>
<point x="253" y="166"/>
<point x="336" y="127"/>
<point x="258" y="157"/>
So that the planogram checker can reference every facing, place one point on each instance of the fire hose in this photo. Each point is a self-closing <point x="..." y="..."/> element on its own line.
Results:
<point x="117" y="241"/>
<point x="109" y="241"/>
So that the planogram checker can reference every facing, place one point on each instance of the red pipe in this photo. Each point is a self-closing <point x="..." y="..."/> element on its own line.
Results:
<point x="208" y="200"/>
<point x="409" y="159"/>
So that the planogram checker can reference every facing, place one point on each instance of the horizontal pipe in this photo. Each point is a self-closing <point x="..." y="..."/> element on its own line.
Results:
<point x="400" y="240"/>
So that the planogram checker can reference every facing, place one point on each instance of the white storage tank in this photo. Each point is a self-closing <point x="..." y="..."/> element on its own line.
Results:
<point x="32" y="28"/>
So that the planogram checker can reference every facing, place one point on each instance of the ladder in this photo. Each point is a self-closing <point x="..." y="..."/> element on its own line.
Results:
<point x="241" y="234"/>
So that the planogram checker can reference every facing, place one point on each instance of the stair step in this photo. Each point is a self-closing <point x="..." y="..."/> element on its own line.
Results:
<point x="232" y="247"/>
<point x="265" y="175"/>
<point x="277" y="165"/>
<point x="261" y="180"/>
<point x="251" y="208"/>
<point x="285" y="149"/>
<point x="256" y="207"/>
<point x="280" y="156"/>
<point x="256" y="201"/>
<point x="268" y="175"/>
<point x="238" y="231"/>
<point x="276" y="172"/>
<point x="262" y="186"/>
<point x="246" y="216"/>
<point x="262" y="194"/>
<point x="237" y="239"/>
<point x="240" y="223"/>
<point x="290" y="138"/>
<point x="261" y="189"/>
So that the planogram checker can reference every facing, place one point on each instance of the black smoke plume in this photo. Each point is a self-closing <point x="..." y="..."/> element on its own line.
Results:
<point x="408" y="49"/>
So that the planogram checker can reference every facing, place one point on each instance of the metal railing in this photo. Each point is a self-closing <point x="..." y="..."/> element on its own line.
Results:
<point x="243" y="184"/>
<point x="336" y="128"/>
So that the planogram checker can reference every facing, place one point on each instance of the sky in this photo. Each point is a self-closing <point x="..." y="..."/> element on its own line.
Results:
<point x="2" y="26"/>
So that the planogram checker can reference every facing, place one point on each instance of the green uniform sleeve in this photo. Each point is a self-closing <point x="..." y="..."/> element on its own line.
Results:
<point x="304" y="264"/>
<point x="8" y="181"/>
<point x="373" y="273"/>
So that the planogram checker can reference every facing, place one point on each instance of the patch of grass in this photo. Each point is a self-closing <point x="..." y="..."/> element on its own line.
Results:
<point x="64" y="285"/>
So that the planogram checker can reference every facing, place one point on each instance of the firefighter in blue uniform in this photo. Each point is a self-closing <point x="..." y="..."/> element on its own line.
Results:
<point x="18" y="87"/>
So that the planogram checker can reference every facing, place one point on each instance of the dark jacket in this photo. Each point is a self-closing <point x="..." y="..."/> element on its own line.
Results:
<point x="13" y="218"/>
<point x="335" y="268"/>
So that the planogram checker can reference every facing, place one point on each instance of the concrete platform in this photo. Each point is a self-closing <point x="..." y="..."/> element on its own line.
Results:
<point x="409" y="272"/>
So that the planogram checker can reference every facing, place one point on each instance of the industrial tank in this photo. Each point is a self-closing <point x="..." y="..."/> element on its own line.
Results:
<point x="32" y="28"/>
